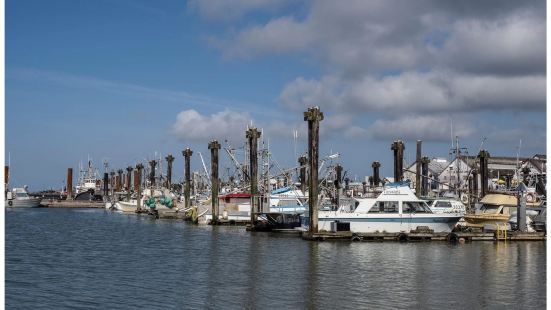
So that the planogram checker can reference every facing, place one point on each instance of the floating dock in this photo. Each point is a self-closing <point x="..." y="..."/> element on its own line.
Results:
<point x="420" y="237"/>
<point x="72" y="204"/>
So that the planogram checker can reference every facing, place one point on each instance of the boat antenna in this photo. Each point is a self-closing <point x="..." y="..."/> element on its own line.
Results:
<point x="451" y="130"/>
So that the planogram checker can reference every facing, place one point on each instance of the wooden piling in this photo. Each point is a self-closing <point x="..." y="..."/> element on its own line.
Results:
<point x="303" y="161"/>
<point x="152" y="164"/>
<point x="119" y="180"/>
<point x="128" y="181"/>
<point x="169" y="160"/>
<point x="376" y="179"/>
<point x="6" y="177"/>
<point x="418" y="164"/>
<point x="187" y="158"/>
<point x="425" y="176"/>
<point x="105" y="184"/>
<point x="69" y="183"/>
<point x="313" y="116"/>
<point x="252" y="136"/>
<point x="138" y="186"/>
<point x="398" y="148"/>
<point x="338" y="185"/>
<point x="483" y="156"/>
<point x="214" y="146"/>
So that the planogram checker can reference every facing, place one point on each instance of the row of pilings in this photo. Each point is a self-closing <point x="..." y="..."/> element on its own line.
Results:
<point x="313" y="116"/>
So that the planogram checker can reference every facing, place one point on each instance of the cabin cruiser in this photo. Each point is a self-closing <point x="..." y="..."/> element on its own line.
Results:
<point x="395" y="210"/>
<point x="493" y="209"/>
<point x="443" y="205"/>
<point x="18" y="197"/>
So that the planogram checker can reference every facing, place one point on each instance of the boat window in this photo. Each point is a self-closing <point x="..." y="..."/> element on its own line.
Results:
<point x="442" y="204"/>
<point x="21" y="195"/>
<point x="414" y="207"/>
<point x="384" y="207"/>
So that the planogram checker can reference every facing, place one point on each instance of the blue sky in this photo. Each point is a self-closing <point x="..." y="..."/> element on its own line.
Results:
<point x="121" y="79"/>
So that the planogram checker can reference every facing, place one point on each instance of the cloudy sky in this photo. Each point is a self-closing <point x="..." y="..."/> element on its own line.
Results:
<point x="120" y="80"/>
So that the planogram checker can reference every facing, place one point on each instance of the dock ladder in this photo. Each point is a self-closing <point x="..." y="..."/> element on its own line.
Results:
<point x="501" y="232"/>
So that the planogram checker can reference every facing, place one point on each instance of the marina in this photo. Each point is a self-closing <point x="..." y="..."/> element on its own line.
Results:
<point x="253" y="154"/>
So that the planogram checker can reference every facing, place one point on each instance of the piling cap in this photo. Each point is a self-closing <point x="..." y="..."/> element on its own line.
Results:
<point x="313" y="114"/>
<point x="187" y="152"/>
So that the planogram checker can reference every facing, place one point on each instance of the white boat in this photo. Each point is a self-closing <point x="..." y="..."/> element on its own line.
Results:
<point x="157" y="195"/>
<point x="395" y="210"/>
<point x="446" y="205"/>
<point x="88" y="180"/>
<point x="19" y="198"/>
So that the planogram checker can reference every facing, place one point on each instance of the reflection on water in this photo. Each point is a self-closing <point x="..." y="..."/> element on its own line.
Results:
<point x="62" y="258"/>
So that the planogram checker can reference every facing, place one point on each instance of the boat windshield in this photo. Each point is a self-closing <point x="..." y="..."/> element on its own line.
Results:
<point x="415" y="207"/>
<point x="384" y="207"/>
<point x="22" y="195"/>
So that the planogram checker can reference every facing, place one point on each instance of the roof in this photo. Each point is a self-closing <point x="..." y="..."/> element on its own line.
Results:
<point x="502" y="199"/>
<point x="235" y="195"/>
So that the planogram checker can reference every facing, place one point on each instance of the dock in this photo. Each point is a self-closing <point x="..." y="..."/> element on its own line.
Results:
<point x="452" y="237"/>
<point x="72" y="204"/>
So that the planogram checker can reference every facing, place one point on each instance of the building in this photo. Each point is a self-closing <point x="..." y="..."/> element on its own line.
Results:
<point x="436" y="166"/>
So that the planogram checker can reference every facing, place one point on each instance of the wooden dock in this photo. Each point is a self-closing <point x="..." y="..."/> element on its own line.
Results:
<point x="72" y="204"/>
<point x="422" y="237"/>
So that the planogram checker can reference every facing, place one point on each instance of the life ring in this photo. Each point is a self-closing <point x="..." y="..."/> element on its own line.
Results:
<point x="464" y="198"/>
<point x="10" y="203"/>
<point x="530" y="197"/>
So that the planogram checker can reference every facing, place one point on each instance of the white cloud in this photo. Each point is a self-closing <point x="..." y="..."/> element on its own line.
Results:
<point x="191" y="125"/>
<point x="227" y="10"/>
<point x="427" y="128"/>
<point x="418" y="92"/>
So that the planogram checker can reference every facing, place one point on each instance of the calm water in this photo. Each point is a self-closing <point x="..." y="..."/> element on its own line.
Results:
<point x="94" y="259"/>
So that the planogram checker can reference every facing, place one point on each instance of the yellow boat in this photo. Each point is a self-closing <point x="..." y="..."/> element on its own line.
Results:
<point x="496" y="209"/>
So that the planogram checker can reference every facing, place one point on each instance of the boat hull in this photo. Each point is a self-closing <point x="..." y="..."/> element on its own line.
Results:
<point x="24" y="203"/>
<point x="124" y="206"/>
<point x="371" y="224"/>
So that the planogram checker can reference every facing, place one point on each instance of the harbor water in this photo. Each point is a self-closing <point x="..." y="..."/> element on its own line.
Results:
<point x="95" y="259"/>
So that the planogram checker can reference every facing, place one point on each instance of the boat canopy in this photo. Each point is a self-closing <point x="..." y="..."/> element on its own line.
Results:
<point x="281" y="190"/>
<point x="503" y="200"/>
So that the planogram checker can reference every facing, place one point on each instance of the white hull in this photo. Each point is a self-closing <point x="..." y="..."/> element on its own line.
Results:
<point x="24" y="203"/>
<point x="125" y="206"/>
<point x="365" y="223"/>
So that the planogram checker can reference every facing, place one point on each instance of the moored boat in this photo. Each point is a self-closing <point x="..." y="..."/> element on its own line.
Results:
<point x="395" y="210"/>
<point x="19" y="198"/>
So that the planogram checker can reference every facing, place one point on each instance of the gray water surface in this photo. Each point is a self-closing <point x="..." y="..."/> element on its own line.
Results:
<point x="95" y="259"/>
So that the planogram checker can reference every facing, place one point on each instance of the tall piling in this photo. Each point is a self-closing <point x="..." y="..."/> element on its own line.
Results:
<point x="302" y="161"/>
<point x="313" y="116"/>
<point x="6" y="177"/>
<point x="425" y="176"/>
<point x="214" y="146"/>
<point x="252" y="136"/>
<point x="483" y="156"/>
<point x="338" y="185"/>
<point x="169" y="160"/>
<point x="398" y="148"/>
<point x="128" y="181"/>
<point x="418" y="168"/>
<point x="376" y="179"/>
<point x="152" y="164"/>
<point x="521" y="212"/>
<point x="119" y="180"/>
<point x="105" y="184"/>
<point x="112" y="183"/>
<point x="475" y="184"/>
<point x="69" y="183"/>
<point x="364" y="188"/>
<point x="138" y="186"/>
<point x="187" y="159"/>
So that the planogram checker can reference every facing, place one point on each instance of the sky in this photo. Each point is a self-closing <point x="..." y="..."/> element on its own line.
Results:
<point x="127" y="80"/>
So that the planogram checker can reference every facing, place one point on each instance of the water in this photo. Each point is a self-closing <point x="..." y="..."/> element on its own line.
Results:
<point x="94" y="259"/>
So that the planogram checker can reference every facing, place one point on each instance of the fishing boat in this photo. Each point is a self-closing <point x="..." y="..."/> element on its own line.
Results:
<point x="18" y="197"/>
<point x="494" y="209"/>
<point x="154" y="199"/>
<point x="395" y="210"/>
